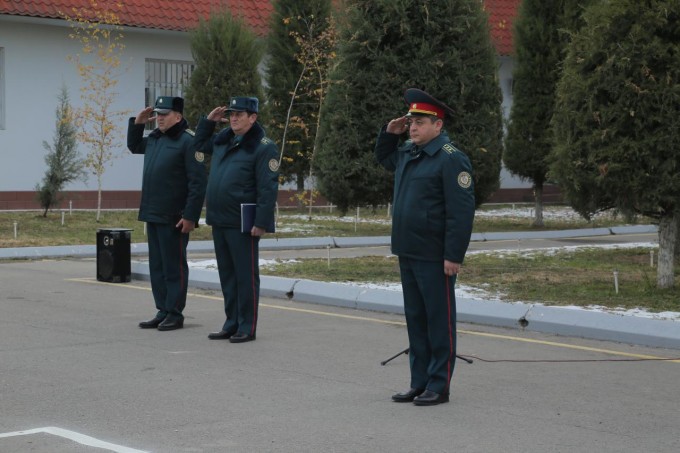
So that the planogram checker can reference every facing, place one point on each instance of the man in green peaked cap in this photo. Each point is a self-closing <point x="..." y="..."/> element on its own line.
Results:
<point x="173" y="187"/>
<point x="242" y="188"/>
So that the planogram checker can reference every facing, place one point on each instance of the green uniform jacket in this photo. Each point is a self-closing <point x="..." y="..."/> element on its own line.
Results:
<point x="434" y="201"/>
<point x="242" y="172"/>
<point x="174" y="176"/>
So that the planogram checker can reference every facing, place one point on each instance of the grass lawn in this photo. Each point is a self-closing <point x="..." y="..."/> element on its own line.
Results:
<point x="582" y="277"/>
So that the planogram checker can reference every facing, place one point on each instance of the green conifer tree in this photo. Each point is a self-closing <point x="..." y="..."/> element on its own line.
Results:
<point x="64" y="164"/>
<point x="226" y="54"/>
<point x="617" y="117"/>
<point x="540" y="36"/>
<point x="385" y="47"/>
<point x="292" y="19"/>
<point x="537" y="70"/>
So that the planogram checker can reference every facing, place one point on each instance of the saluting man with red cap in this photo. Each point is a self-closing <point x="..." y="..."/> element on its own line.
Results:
<point x="434" y="208"/>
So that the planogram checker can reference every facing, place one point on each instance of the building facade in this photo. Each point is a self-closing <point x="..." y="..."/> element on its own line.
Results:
<point x="34" y="65"/>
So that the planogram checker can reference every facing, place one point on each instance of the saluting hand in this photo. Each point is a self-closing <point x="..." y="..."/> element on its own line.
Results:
<point x="397" y="126"/>
<point x="218" y="114"/>
<point x="144" y="116"/>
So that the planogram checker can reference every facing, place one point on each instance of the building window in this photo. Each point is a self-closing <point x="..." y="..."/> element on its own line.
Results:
<point x="166" y="78"/>
<point x="2" y="88"/>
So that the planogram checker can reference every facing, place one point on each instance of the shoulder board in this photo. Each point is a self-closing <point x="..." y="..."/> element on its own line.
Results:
<point x="449" y="148"/>
<point x="190" y="132"/>
<point x="265" y="141"/>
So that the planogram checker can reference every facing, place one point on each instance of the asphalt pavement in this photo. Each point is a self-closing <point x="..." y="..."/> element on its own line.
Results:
<point x="591" y="324"/>
<point x="78" y="375"/>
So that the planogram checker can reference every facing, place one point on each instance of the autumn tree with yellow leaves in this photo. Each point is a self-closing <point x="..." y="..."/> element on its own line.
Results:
<point x="301" y="50"/>
<point x="97" y="29"/>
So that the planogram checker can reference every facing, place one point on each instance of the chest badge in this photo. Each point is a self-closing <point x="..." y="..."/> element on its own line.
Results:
<point x="273" y="165"/>
<point x="464" y="179"/>
<point x="199" y="156"/>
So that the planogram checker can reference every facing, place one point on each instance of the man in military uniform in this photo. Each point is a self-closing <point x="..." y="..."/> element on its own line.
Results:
<point x="173" y="188"/>
<point x="243" y="170"/>
<point x="434" y="209"/>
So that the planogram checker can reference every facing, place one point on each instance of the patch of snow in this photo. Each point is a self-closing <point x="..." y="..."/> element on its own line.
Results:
<point x="528" y="252"/>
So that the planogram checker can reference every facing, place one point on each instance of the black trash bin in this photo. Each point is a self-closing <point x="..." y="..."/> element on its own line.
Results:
<point x="113" y="255"/>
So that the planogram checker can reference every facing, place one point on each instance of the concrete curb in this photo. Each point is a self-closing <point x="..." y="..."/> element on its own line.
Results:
<point x="537" y="318"/>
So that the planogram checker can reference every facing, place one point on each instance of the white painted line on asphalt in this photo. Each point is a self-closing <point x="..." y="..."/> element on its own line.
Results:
<point x="76" y="437"/>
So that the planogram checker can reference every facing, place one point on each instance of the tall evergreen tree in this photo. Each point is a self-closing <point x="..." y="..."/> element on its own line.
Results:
<point x="617" y="117"/>
<point x="537" y="48"/>
<point x="64" y="164"/>
<point x="227" y="54"/>
<point x="290" y="90"/>
<point x="385" y="47"/>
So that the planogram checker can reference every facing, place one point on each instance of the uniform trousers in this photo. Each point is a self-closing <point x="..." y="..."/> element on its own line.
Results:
<point x="168" y="269"/>
<point x="238" y="265"/>
<point x="430" y="309"/>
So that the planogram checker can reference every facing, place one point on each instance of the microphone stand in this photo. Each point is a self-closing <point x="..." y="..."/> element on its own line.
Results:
<point x="405" y="351"/>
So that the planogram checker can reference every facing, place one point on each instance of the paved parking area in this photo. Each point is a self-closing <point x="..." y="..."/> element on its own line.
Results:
<point x="72" y="358"/>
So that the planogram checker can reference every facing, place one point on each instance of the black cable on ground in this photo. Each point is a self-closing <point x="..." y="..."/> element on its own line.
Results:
<point x="660" y="359"/>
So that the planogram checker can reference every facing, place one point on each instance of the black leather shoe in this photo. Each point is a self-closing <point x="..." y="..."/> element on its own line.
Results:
<point x="239" y="337"/>
<point x="406" y="397"/>
<point x="430" y="398"/>
<point x="171" y="325"/>
<point x="221" y="335"/>
<point x="151" y="324"/>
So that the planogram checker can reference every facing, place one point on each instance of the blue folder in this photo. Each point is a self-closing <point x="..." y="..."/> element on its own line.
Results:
<point x="248" y="219"/>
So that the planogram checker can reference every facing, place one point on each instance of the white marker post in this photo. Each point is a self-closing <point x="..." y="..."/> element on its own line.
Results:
<point x="616" y="281"/>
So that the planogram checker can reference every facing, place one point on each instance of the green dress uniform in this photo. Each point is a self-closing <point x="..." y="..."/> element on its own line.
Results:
<point x="173" y="187"/>
<point x="243" y="169"/>
<point x="432" y="221"/>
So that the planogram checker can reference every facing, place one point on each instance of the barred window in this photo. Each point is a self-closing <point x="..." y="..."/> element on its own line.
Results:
<point x="166" y="78"/>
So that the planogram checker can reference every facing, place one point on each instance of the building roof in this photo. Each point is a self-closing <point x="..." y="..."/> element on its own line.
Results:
<point x="184" y="15"/>
<point x="502" y="15"/>
<point x="156" y="14"/>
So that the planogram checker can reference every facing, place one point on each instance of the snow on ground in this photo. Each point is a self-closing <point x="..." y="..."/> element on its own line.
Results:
<point x="550" y="251"/>
<point x="300" y="221"/>
<point x="549" y="213"/>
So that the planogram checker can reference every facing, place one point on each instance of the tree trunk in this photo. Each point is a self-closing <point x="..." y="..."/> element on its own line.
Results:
<point x="538" y="198"/>
<point x="668" y="234"/>
<point x="311" y="192"/>
<point x="300" y="179"/>
<point x="99" y="197"/>
<point x="677" y="244"/>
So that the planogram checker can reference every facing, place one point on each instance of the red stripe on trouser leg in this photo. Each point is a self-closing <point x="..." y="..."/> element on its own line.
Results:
<point x="252" y="279"/>
<point x="181" y="264"/>
<point x="448" y="304"/>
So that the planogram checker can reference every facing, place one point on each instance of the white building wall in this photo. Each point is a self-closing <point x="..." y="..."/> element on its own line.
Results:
<point x="36" y="66"/>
